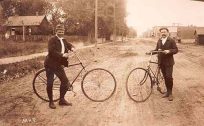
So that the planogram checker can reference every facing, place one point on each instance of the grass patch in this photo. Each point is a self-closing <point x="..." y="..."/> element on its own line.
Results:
<point x="9" y="48"/>
<point x="128" y="54"/>
<point x="20" y="69"/>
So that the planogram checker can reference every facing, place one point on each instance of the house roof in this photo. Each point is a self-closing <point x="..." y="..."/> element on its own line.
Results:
<point x="199" y="31"/>
<point x="170" y="28"/>
<point x="26" y="20"/>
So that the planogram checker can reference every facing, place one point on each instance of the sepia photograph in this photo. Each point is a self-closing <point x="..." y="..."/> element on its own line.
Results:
<point x="101" y="62"/>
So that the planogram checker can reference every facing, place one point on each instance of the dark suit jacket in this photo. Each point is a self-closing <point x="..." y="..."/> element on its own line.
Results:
<point x="55" y="57"/>
<point x="167" y="59"/>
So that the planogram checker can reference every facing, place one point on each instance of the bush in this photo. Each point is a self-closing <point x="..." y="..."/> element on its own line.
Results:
<point x="20" y="69"/>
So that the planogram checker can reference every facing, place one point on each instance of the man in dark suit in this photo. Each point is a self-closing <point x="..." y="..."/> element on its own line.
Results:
<point x="57" y="58"/>
<point x="166" y="59"/>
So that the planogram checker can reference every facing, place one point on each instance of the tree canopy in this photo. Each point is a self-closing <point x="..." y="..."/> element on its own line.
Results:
<point x="77" y="15"/>
<point x="24" y="7"/>
<point x="80" y="16"/>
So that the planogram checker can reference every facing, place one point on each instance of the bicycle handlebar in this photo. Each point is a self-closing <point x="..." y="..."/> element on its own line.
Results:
<point x="151" y="53"/>
<point x="157" y="51"/>
<point x="78" y="58"/>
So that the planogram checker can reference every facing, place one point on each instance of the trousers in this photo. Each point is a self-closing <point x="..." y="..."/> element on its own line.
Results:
<point x="60" y="73"/>
<point x="167" y="72"/>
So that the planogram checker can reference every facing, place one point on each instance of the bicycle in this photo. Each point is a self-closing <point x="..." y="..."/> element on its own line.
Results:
<point x="145" y="79"/>
<point x="97" y="84"/>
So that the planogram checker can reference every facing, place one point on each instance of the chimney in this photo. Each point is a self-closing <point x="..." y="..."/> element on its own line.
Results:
<point x="37" y="13"/>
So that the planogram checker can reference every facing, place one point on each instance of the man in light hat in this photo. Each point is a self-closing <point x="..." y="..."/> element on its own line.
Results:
<point x="55" y="60"/>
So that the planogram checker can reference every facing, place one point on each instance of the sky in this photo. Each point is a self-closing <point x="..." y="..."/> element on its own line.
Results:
<point x="144" y="14"/>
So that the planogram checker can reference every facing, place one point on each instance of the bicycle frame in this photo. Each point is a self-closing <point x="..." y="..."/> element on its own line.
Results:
<point x="76" y="64"/>
<point x="154" y="75"/>
<point x="83" y="68"/>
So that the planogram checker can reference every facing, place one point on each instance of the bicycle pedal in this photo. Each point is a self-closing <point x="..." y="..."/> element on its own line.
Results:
<point x="70" y="88"/>
<point x="74" y="93"/>
<point x="158" y="89"/>
<point x="153" y="82"/>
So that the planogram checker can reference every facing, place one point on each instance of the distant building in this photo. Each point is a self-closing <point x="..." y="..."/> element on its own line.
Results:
<point x="172" y="30"/>
<point x="177" y="32"/>
<point x="199" y="35"/>
<point x="30" y="25"/>
<point x="186" y="32"/>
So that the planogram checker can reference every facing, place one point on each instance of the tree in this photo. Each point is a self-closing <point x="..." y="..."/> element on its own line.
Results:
<point x="55" y="15"/>
<point x="27" y="8"/>
<point x="77" y="15"/>
<point x="132" y="32"/>
<point x="24" y="7"/>
<point x="31" y="7"/>
<point x="8" y="8"/>
<point x="1" y="20"/>
<point x="1" y="15"/>
<point x="80" y="16"/>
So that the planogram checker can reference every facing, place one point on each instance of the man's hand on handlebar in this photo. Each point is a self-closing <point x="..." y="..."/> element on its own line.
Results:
<point x="148" y="53"/>
<point x="159" y="51"/>
<point x="65" y="55"/>
<point x="73" y="49"/>
<point x="166" y="51"/>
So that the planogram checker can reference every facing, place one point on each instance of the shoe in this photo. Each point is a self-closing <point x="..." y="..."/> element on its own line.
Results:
<point x="63" y="102"/>
<point x="165" y="95"/>
<point x="170" y="98"/>
<point x="52" y="105"/>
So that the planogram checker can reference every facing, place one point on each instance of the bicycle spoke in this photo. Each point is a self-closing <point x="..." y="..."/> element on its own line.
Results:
<point x="42" y="78"/>
<point x="98" y="85"/>
<point x="138" y="85"/>
<point x="39" y="85"/>
<point x="141" y="95"/>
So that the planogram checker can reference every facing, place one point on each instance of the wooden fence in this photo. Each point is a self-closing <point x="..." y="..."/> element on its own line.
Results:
<point x="27" y="38"/>
<point x="19" y="38"/>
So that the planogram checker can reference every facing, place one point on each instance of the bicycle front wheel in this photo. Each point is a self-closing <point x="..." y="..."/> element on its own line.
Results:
<point x="40" y="86"/>
<point x="139" y="85"/>
<point x="98" y="85"/>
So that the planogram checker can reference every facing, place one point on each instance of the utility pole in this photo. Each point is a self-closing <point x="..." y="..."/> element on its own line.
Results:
<point x="114" y="27"/>
<point x="96" y="22"/>
<point x="23" y="31"/>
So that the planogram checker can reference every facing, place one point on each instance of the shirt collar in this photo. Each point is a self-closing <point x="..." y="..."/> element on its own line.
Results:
<point x="59" y="37"/>
<point x="164" y="38"/>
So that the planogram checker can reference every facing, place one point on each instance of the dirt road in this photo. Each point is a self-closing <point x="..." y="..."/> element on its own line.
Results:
<point x="20" y="106"/>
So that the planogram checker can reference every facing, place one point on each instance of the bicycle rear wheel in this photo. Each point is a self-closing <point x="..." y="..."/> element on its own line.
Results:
<point x="40" y="86"/>
<point x="98" y="84"/>
<point x="139" y="85"/>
